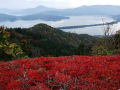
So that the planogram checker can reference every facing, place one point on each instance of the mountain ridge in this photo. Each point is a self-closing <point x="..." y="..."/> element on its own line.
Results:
<point x="52" y="14"/>
<point x="91" y="9"/>
<point x="27" y="11"/>
<point x="45" y="17"/>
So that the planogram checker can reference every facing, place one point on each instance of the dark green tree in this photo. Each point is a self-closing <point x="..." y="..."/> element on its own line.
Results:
<point x="83" y="49"/>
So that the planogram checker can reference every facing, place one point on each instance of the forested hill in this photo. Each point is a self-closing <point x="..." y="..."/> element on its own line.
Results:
<point x="44" y="40"/>
<point x="60" y="36"/>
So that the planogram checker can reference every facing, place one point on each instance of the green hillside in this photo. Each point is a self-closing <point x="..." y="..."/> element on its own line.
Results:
<point x="44" y="40"/>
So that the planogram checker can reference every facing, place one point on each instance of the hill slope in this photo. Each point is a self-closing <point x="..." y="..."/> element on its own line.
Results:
<point x="44" y="40"/>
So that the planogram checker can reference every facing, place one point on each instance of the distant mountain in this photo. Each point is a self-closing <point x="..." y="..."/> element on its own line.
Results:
<point x="30" y="14"/>
<point x="83" y="10"/>
<point x="99" y="36"/>
<point x="89" y="10"/>
<point x="97" y="10"/>
<point x="28" y="11"/>
<point x="5" y="17"/>
<point x="51" y="14"/>
<point x="31" y="11"/>
<point x="45" y="17"/>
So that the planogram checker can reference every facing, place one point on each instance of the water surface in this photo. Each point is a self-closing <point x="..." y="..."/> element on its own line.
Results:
<point x="73" y="21"/>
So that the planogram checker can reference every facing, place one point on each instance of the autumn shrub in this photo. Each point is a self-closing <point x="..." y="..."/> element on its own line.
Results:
<point x="61" y="73"/>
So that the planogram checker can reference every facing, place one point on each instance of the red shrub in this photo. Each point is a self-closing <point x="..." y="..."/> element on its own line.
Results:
<point x="55" y="73"/>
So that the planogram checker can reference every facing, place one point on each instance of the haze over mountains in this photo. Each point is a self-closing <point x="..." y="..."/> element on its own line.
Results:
<point x="52" y="14"/>
<point x="28" y="11"/>
<point x="83" y="10"/>
<point x="91" y="10"/>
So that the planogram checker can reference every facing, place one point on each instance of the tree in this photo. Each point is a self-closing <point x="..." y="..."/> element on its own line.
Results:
<point x="8" y="50"/>
<point x="83" y="49"/>
<point x="117" y="40"/>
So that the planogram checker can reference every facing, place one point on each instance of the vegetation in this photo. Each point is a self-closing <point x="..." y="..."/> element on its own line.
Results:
<point x="8" y="50"/>
<point x="58" y="73"/>
<point x="61" y="73"/>
<point x="109" y="45"/>
<point x="43" y="40"/>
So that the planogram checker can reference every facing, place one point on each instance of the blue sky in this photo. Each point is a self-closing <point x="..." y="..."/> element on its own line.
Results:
<point x="21" y="4"/>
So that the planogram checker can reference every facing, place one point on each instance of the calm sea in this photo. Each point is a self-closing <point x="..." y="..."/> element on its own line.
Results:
<point x="73" y="21"/>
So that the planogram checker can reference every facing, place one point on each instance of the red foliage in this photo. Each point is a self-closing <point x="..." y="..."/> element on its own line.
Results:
<point x="66" y="73"/>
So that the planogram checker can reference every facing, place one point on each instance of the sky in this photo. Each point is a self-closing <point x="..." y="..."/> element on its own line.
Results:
<point x="61" y="4"/>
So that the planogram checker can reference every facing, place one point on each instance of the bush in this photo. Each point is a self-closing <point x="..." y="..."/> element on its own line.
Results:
<point x="61" y="73"/>
<point x="8" y="50"/>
